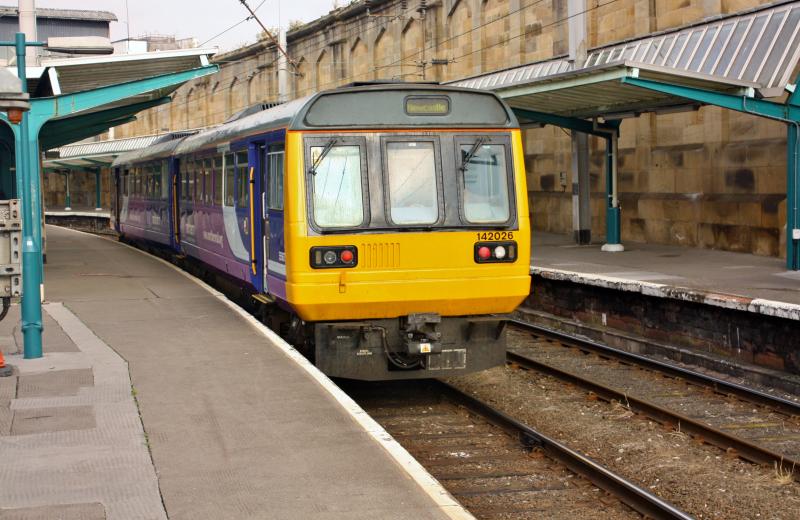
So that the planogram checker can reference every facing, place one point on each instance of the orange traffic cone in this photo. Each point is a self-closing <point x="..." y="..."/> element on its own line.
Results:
<point x="5" y="370"/>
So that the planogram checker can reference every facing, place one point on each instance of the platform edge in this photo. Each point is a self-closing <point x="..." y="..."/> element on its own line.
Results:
<point x="438" y="494"/>
<point x="762" y="306"/>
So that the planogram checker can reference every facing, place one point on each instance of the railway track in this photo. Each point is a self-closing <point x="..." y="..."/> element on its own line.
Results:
<point x="754" y="425"/>
<point x="497" y="466"/>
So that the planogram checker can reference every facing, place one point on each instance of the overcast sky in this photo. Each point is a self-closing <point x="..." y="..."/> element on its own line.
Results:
<point x="202" y="19"/>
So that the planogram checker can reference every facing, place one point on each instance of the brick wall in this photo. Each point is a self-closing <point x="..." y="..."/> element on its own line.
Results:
<point x="710" y="178"/>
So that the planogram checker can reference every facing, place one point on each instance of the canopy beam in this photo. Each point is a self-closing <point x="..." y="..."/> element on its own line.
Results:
<point x="788" y="113"/>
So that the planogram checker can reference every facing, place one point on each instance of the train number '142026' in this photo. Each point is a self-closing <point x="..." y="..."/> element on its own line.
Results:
<point x="496" y="235"/>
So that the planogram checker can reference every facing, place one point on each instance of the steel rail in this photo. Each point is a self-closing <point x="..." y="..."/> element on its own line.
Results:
<point x="707" y="433"/>
<point x="745" y="393"/>
<point x="633" y="496"/>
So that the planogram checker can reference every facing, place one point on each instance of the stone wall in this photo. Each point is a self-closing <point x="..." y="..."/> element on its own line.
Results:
<point x="81" y="187"/>
<point x="710" y="178"/>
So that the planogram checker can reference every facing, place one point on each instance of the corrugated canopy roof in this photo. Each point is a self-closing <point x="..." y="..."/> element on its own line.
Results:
<point x="65" y="76"/>
<point x="99" y="153"/>
<point x="599" y="91"/>
<point x="754" y="52"/>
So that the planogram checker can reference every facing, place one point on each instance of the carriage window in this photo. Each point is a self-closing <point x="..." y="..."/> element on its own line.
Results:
<point x="125" y="179"/>
<point x="190" y="176"/>
<point x="337" y="185"/>
<point x="207" y="181"/>
<point x="157" y="180"/>
<point x="485" y="182"/>
<point x="185" y="180"/>
<point x="411" y="167"/>
<point x="275" y="189"/>
<point x="164" y="180"/>
<point x="218" y="172"/>
<point x="229" y="177"/>
<point x="242" y="180"/>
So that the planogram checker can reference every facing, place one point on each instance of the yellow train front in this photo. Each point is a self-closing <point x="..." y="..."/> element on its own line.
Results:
<point x="406" y="235"/>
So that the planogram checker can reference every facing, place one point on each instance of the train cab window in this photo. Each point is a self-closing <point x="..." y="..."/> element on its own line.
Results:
<point x="230" y="168"/>
<point x="413" y="191"/>
<point x="218" y="173"/>
<point x="275" y="157"/>
<point x="207" y="181"/>
<point x="485" y="180"/>
<point x="336" y="173"/>
<point x="242" y="180"/>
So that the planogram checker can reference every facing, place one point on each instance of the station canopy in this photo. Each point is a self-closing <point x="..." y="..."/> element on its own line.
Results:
<point x="76" y="98"/>
<point x="91" y="155"/>
<point x="751" y="54"/>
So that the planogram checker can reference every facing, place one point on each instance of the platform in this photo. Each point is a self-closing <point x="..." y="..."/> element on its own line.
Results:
<point x="720" y="278"/>
<point x="234" y="423"/>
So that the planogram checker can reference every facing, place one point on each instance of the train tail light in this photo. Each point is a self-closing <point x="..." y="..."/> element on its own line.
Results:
<point x="495" y="252"/>
<point x="333" y="257"/>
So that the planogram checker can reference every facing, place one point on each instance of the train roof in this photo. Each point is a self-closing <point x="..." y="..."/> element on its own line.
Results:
<point x="368" y="106"/>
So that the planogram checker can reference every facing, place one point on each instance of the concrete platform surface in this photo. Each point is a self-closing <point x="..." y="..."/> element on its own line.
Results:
<point x="732" y="280"/>
<point x="234" y="423"/>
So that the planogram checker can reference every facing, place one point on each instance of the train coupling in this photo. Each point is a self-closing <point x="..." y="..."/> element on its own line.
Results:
<point x="422" y="334"/>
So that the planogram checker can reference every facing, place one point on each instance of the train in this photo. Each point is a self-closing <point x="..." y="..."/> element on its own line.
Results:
<point x="381" y="228"/>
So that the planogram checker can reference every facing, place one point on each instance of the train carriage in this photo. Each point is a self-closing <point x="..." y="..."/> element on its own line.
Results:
<point x="385" y="227"/>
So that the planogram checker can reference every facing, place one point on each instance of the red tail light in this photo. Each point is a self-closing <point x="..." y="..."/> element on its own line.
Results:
<point x="332" y="257"/>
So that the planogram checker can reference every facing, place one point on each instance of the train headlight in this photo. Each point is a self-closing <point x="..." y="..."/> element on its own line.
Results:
<point x="329" y="257"/>
<point x="495" y="252"/>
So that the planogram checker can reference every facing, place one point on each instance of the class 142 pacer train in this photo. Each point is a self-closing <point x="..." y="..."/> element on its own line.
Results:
<point x="382" y="229"/>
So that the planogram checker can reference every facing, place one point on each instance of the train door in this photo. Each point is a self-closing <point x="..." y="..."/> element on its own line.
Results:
<point x="116" y="200"/>
<point x="175" y="197"/>
<point x="272" y="211"/>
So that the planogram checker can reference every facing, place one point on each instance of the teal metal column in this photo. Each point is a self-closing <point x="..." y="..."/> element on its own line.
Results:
<point x="612" y="200"/>
<point x="28" y="182"/>
<point x="98" y="205"/>
<point x="792" y="195"/>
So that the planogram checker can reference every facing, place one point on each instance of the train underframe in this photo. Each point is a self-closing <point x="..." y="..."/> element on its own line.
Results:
<point x="411" y="347"/>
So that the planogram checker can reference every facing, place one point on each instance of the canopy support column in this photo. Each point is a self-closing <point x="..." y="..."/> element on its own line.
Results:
<point x="613" y="220"/>
<point x="609" y="132"/>
<point x="792" y="194"/>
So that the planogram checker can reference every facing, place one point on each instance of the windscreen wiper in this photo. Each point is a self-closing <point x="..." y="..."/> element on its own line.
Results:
<point x="472" y="153"/>
<point x="318" y="161"/>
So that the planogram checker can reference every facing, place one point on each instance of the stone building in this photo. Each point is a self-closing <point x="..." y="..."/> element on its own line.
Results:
<point x="707" y="178"/>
